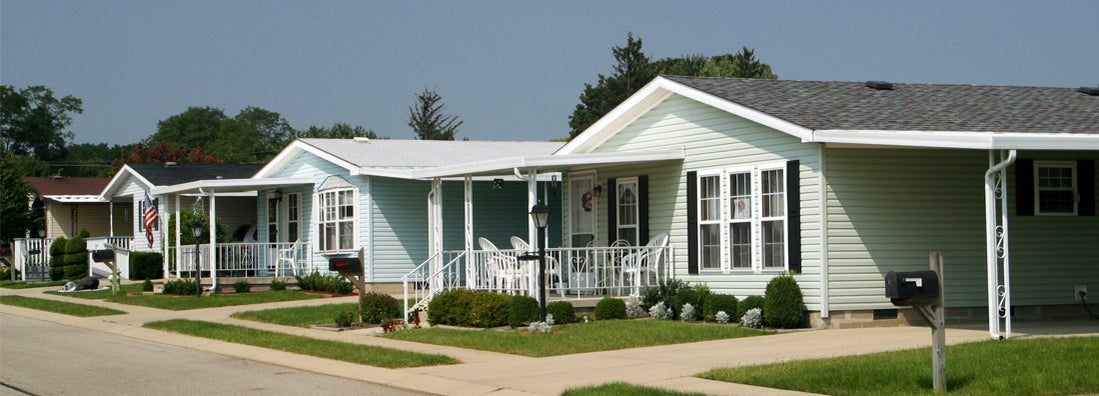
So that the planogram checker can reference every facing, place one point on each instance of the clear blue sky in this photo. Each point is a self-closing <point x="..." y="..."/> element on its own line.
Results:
<point x="512" y="70"/>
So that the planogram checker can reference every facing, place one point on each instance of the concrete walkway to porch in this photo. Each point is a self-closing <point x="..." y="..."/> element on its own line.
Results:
<point x="490" y="373"/>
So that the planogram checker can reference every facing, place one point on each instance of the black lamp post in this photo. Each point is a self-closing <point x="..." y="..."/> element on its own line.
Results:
<point x="196" y="230"/>
<point x="539" y="213"/>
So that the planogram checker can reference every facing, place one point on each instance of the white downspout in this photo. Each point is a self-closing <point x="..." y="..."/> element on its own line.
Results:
<point x="996" y="243"/>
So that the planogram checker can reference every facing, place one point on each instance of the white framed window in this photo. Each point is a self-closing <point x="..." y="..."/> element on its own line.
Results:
<point x="272" y="219"/>
<point x="742" y="219"/>
<point x="293" y="217"/>
<point x="1055" y="188"/>
<point x="336" y="220"/>
<point x="627" y="209"/>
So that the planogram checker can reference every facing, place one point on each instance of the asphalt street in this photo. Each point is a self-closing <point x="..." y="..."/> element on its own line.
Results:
<point x="45" y="358"/>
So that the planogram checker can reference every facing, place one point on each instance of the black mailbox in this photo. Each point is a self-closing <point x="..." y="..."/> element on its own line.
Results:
<point x="102" y="255"/>
<point x="912" y="288"/>
<point x="345" y="265"/>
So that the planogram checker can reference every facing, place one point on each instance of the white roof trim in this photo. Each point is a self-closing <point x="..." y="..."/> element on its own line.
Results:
<point x="118" y="179"/>
<point x="653" y="94"/>
<point x="292" y="150"/>
<point x="506" y="166"/>
<point x="962" y="140"/>
<point x="230" y="185"/>
<point x="74" y="198"/>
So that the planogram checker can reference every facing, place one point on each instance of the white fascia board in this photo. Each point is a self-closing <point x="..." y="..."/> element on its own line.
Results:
<point x="386" y="172"/>
<point x="230" y="185"/>
<point x="74" y="198"/>
<point x="296" y="147"/>
<point x="119" y="179"/>
<point x="961" y="140"/>
<point x="507" y="166"/>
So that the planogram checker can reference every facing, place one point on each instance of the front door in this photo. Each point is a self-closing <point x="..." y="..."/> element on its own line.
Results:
<point x="582" y="209"/>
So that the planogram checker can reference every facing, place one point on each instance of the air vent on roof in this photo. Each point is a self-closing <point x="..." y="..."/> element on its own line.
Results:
<point x="1093" y="91"/>
<point x="166" y="164"/>
<point x="362" y="139"/>
<point x="880" y="85"/>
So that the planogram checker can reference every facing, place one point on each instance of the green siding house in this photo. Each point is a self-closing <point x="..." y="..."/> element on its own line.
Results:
<point x="841" y="183"/>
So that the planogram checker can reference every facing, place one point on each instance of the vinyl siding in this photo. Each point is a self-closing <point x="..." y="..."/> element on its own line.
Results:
<point x="887" y="208"/>
<point x="714" y="139"/>
<point x="66" y="220"/>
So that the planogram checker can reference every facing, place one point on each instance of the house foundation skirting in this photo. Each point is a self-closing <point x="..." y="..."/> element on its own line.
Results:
<point x="954" y="316"/>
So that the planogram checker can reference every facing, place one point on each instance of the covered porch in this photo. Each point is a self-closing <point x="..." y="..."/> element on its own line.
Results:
<point x="581" y="267"/>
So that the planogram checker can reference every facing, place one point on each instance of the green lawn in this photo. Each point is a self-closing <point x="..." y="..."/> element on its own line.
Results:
<point x="623" y="389"/>
<point x="299" y="316"/>
<point x="179" y="303"/>
<point x="603" y="335"/>
<point x="10" y="284"/>
<point x="1047" y="366"/>
<point x="60" y="307"/>
<point x="347" y="352"/>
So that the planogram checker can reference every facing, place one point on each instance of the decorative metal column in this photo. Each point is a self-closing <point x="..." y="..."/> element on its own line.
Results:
<point x="996" y="241"/>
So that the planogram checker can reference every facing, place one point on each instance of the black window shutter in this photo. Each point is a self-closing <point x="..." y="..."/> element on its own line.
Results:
<point x="612" y="211"/>
<point x="793" y="215"/>
<point x="692" y="222"/>
<point x="1024" y="186"/>
<point x="1085" y="176"/>
<point x="643" y="209"/>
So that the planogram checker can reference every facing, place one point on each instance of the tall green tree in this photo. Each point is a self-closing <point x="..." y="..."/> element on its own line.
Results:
<point x="427" y="118"/>
<point x="33" y="122"/>
<point x="274" y="130"/>
<point x="195" y="127"/>
<point x="253" y="135"/>
<point x="15" y="215"/>
<point x="90" y="159"/>
<point x="634" y="69"/>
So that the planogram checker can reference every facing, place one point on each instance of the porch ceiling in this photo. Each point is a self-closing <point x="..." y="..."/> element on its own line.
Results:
<point x="232" y="185"/>
<point x="548" y="163"/>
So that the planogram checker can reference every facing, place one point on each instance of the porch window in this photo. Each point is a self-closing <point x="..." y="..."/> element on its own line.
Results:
<point x="742" y="219"/>
<point x="627" y="210"/>
<point x="1056" y="187"/>
<point x="337" y="220"/>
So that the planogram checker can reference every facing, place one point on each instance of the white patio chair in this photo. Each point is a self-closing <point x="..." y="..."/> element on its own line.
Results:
<point x="288" y="255"/>
<point x="643" y="261"/>
<point x="553" y="265"/>
<point x="502" y="268"/>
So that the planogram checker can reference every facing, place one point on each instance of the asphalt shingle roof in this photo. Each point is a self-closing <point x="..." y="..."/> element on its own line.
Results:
<point x="823" y="105"/>
<point x="164" y="175"/>
<point x="68" y="185"/>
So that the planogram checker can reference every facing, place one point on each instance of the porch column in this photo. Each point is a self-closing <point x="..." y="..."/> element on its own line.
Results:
<point x="467" y="188"/>
<point x="996" y="243"/>
<point x="435" y="222"/>
<point x="110" y="215"/>
<point x="178" y="234"/>
<point x="163" y="231"/>
<point x="213" y="240"/>
<point x="532" y="199"/>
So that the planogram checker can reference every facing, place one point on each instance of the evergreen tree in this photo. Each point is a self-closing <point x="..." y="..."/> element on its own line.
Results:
<point x="427" y="120"/>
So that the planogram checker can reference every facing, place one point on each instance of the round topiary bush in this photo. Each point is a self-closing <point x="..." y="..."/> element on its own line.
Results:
<point x="522" y="309"/>
<point x="716" y="303"/>
<point x="783" y="306"/>
<point x="610" y="308"/>
<point x="562" y="311"/>
<point x="748" y="303"/>
<point x="147" y="286"/>
<point x="242" y="286"/>
<point x="377" y="307"/>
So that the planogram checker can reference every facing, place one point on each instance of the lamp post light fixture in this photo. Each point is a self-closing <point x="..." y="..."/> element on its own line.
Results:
<point x="196" y="231"/>
<point x="539" y="213"/>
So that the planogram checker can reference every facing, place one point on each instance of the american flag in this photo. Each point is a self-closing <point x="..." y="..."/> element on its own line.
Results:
<point x="150" y="219"/>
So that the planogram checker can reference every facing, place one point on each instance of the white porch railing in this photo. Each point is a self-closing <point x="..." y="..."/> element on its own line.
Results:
<point x="571" y="273"/>
<point x="31" y="257"/>
<point x="244" y="259"/>
<point x="120" y="242"/>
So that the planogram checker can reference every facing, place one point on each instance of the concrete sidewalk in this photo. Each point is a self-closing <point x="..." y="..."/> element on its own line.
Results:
<point x="490" y="373"/>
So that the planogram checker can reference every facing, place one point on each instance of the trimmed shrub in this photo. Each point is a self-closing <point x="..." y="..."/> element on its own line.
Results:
<point x="309" y="282"/>
<point x="57" y="273"/>
<point x="57" y="248"/>
<point x="345" y="318"/>
<point x="343" y="286"/>
<point x="378" y="308"/>
<point x="146" y="265"/>
<point x="242" y="286"/>
<point x="180" y="287"/>
<point x="687" y="313"/>
<point x="147" y="285"/>
<point x="562" y="311"/>
<point x="665" y="290"/>
<point x="660" y="312"/>
<point x="716" y="303"/>
<point x="76" y="251"/>
<point x="783" y="306"/>
<point x="752" y="318"/>
<point x="277" y="285"/>
<point x="749" y="303"/>
<point x="610" y="308"/>
<point x="522" y="309"/>
<point x="76" y="271"/>
<point x="633" y="308"/>
<point x="447" y="306"/>
<point x="488" y="310"/>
